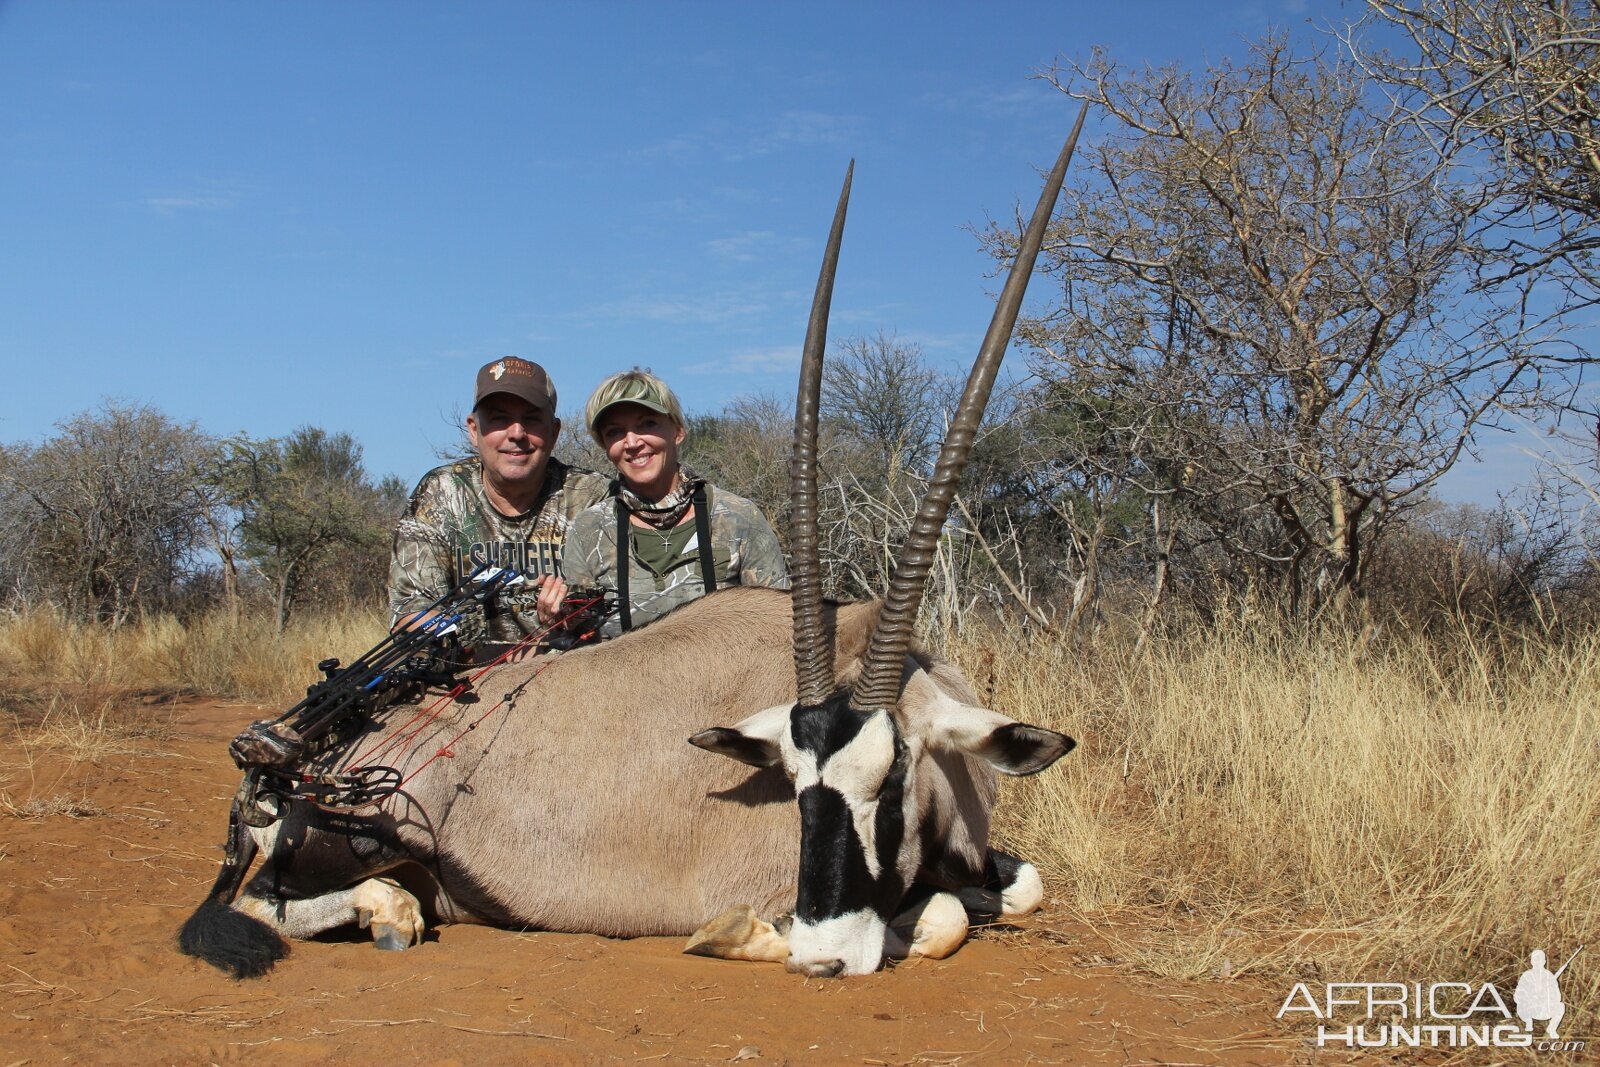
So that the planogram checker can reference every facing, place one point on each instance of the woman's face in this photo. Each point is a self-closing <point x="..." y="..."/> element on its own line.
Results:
<point x="644" y="446"/>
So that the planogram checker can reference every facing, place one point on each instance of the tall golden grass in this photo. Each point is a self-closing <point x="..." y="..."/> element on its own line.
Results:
<point x="237" y="659"/>
<point x="1247" y="799"/>
<point x="1254" y="799"/>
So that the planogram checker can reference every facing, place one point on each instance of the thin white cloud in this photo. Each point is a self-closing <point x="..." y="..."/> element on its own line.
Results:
<point x="677" y="148"/>
<point x="956" y="343"/>
<point x="989" y="103"/>
<point x="212" y="197"/>
<point x="809" y="128"/>
<point x="1269" y="12"/>
<point x="742" y="194"/>
<point x="753" y="245"/>
<point x="751" y="361"/>
<point x="700" y="310"/>
<point x="870" y="315"/>
<point x="791" y="129"/>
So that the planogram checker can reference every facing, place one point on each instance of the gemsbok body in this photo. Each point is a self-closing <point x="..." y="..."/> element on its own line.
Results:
<point x="834" y="774"/>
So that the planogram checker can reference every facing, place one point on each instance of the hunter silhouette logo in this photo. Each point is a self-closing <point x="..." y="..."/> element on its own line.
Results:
<point x="1438" y="1014"/>
<point x="1538" y="996"/>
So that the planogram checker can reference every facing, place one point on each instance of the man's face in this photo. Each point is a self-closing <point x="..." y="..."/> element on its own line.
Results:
<point x="514" y="440"/>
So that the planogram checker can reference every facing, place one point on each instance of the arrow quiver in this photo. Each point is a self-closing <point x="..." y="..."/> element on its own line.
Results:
<point x="430" y="652"/>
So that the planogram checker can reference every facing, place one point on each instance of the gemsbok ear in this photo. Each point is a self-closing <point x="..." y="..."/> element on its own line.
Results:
<point x="1011" y="747"/>
<point x="754" y="741"/>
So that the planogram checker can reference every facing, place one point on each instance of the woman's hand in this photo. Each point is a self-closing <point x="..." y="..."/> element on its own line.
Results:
<point x="552" y="591"/>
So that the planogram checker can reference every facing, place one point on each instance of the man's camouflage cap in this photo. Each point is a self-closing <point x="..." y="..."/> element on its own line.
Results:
<point x="521" y="378"/>
<point x="631" y="387"/>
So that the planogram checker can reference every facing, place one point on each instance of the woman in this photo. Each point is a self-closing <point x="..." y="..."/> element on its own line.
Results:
<point x="681" y="537"/>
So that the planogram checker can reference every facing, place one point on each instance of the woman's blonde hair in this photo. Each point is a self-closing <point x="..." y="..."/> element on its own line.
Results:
<point x="631" y="387"/>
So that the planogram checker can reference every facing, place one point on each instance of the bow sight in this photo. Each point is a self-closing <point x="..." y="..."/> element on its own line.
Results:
<point x="430" y="652"/>
<point x="401" y="666"/>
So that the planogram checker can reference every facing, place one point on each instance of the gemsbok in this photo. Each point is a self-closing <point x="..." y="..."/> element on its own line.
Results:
<point x="856" y="795"/>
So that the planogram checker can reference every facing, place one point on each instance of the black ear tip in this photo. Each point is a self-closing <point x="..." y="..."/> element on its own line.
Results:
<point x="726" y="741"/>
<point x="1055" y="742"/>
<point x="1022" y="749"/>
<point x="708" y="739"/>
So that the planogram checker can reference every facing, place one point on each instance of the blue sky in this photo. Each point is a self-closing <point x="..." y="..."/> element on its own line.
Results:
<point x="257" y="216"/>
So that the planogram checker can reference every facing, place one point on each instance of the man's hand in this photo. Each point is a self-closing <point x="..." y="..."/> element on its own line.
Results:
<point x="552" y="591"/>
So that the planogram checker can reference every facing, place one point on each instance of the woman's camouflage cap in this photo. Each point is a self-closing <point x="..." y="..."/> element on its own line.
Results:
<point x="631" y="387"/>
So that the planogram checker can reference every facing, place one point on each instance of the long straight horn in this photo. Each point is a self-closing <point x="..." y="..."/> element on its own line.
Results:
<point x="813" y="652"/>
<point x="879" y="686"/>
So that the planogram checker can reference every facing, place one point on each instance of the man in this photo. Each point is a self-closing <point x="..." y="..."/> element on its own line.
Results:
<point x="511" y="506"/>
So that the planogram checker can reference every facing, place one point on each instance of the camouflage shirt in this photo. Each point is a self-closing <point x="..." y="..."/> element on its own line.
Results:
<point x="450" y="529"/>
<point x="744" y="549"/>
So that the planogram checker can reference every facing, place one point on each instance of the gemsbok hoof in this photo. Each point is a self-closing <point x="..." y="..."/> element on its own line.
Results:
<point x="816" y="968"/>
<point x="390" y="938"/>
<point x="934" y="930"/>
<point x="739" y="934"/>
<point x="393" y="915"/>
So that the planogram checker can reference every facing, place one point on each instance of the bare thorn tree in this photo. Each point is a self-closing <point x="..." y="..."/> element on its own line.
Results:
<point x="1261" y="293"/>
<point x="1510" y="91"/>
<point x="102" y="519"/>
<point x="878" y="390"/>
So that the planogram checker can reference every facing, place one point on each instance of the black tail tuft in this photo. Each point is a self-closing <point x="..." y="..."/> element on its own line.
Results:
<point x="231" y="940"/>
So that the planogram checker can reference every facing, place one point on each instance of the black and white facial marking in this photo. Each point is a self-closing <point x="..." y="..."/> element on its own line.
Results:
<point x="863" y="835"/>
<point x="850" y="774"/>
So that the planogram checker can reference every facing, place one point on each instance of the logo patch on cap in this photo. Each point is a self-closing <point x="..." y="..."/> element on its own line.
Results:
<point x="517" y="377"/>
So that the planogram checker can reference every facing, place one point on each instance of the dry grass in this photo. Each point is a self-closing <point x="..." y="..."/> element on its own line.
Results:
<point x="44" y="807"/>
<point x="54" y="739"/>
<point x="1245" y="800"/>
<point x="1307" y="805"/>
<point x="81" y="694"/>
<point x="240" y="659"/>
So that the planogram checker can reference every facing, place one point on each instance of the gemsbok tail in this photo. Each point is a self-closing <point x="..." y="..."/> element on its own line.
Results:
<point x="219" y="934"/>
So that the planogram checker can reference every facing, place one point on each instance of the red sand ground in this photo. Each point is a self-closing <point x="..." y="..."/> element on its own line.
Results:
<point x="89" y="904"/>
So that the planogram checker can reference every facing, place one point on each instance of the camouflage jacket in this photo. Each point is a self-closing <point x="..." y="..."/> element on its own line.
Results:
<point x="450" y="529"/>
<point x="744" y="549"/>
